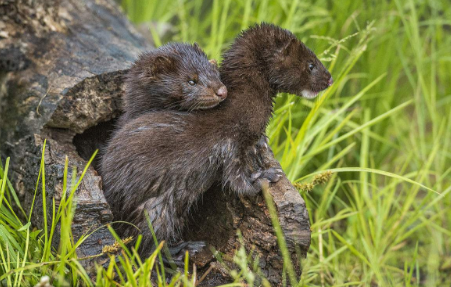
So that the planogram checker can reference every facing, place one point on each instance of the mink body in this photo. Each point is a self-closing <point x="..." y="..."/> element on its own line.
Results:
<point x="161" y="162"/>
<point x="176" y="76"/>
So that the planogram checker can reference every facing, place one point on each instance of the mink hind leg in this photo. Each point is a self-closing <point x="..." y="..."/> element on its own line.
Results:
<point x="167" y="226"/>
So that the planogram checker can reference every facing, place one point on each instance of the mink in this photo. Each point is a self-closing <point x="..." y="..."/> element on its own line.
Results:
<point x="160" y="163"/>
<point x="176" y="76"/>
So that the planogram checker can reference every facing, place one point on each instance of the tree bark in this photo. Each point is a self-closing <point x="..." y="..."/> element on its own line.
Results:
<point x="61" y="67"/>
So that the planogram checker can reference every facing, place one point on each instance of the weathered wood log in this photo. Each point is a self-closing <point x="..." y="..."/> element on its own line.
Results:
<point x="61" y="67"/>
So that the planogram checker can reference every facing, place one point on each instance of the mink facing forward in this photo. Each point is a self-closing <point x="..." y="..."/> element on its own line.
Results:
<point x="161" y="162"/>
<point x="176" y="76"/>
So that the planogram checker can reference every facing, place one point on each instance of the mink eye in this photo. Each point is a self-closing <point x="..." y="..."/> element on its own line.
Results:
<point x="192" y="82"/>
<point x="311" y="67"/>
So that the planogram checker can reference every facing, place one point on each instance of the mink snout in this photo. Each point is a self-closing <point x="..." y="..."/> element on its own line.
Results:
<point x="222" y="92"/>
<point x="330" y="82"/>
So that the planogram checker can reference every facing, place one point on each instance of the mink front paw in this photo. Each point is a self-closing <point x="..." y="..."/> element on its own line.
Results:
<point x="273" y="175"/>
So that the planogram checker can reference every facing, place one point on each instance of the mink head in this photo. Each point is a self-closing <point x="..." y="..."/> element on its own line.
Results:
<point x="297" y="70"/>
<point x="286" y="63"/>
<point x="175" y="76"/>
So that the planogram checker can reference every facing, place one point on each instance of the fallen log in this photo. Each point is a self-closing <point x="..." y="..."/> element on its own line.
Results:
<point x="61" y="68"/>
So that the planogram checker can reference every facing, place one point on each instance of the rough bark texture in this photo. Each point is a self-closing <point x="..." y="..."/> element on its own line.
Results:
<point x="61" y="67"/>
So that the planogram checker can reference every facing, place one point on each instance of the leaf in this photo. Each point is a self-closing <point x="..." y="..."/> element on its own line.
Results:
<point x="25" y="227"/>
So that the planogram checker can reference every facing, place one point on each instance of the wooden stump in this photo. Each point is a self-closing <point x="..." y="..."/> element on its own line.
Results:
<point x="61" y="67"/>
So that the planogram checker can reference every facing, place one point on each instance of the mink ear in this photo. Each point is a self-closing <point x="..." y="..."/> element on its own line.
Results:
<point x="162" y="64"/>
<point x="289" y="47"/>
<point x="197" y="47"/>
<point x="213" y="62"/>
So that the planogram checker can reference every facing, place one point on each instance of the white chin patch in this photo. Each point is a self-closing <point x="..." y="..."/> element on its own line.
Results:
<point x="309" y="94"/>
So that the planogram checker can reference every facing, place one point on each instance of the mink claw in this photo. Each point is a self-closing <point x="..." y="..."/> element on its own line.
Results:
<point x="272" y="174"/>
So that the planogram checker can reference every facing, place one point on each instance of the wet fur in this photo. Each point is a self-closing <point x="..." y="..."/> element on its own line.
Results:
<point x="158" y="80"/>
<point x="161" y="162"/>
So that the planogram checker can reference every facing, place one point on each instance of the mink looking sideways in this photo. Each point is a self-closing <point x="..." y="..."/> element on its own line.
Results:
<point x="176" y="76"/>
<point x="161" y="162"/>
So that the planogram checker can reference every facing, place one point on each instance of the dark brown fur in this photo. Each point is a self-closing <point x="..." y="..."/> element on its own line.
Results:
<point x="162" y="162"/>
<point x="163" y="80"/>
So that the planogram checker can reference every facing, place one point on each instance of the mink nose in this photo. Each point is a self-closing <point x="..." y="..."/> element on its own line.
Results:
<point x="222" y="92"/>
<point x="330" y="81"/>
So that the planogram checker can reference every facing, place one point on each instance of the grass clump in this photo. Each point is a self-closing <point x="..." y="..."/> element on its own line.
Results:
<point x="29" y="257"/>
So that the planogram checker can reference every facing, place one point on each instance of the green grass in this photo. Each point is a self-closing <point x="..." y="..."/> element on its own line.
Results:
<point x="383" y="129"/>
<point x="27" y="256"/>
